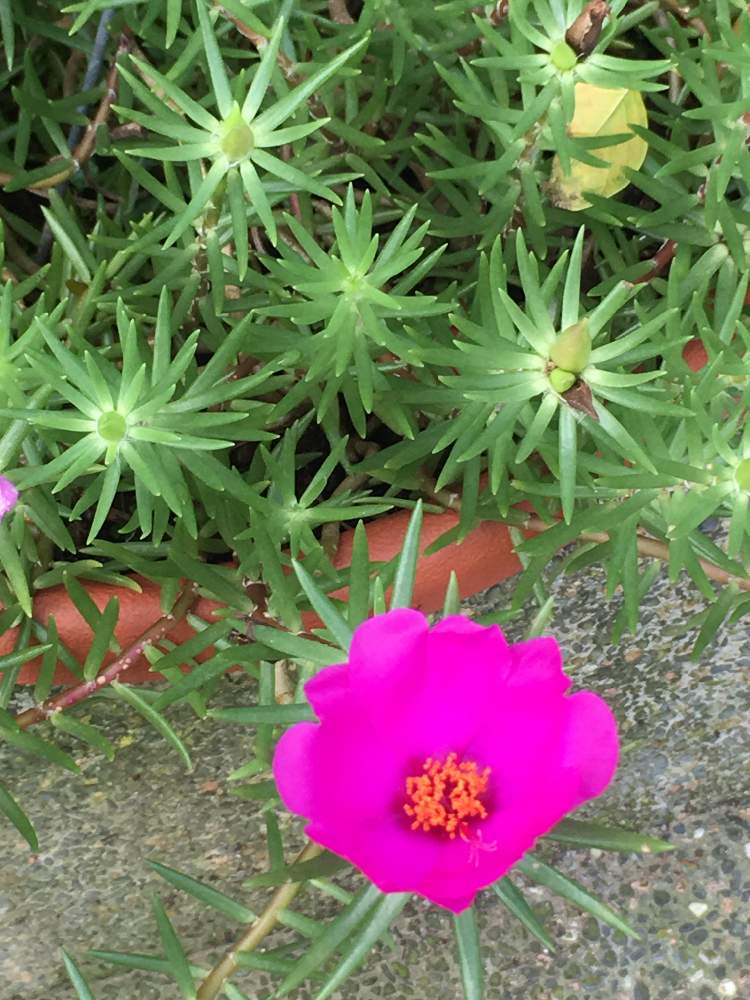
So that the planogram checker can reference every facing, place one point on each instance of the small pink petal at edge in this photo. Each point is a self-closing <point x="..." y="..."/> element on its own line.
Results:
<point x="590" y="745"/>
<point x="8" y="496"/>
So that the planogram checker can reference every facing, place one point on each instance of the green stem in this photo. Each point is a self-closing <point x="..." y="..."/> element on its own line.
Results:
<point x="261" y="928"/>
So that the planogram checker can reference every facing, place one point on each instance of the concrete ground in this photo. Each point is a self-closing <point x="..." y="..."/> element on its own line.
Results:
<point x="685" y="776"/>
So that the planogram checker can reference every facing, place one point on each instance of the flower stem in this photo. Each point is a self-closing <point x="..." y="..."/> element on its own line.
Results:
<point x="647" y="546"/>
<point x="71" y="696"/>
<point x="652" y="547"/>
<point x="212" y="984"/>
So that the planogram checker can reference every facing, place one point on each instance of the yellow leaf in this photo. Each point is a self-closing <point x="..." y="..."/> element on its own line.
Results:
<point x="600" y="111"/>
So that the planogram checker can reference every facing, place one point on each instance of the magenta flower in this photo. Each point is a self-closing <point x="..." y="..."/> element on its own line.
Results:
<point x="442" y="754"/>
<point x="8" y="496"/>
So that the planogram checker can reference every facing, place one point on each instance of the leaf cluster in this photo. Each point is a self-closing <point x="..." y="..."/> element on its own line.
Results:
<point x="287" y="234"/>
<point x="268" y="270"/>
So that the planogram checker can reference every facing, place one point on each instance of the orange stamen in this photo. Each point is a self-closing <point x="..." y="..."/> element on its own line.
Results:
<point x="446" y="795"/>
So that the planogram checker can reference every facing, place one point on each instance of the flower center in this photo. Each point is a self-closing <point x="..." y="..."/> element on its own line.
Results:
<point x="112" y="426"/>
<point x="563" y="57"/>
<point x="237" y="142"/>
<point x="446" y="795"/>
<point x="236" y="139"/>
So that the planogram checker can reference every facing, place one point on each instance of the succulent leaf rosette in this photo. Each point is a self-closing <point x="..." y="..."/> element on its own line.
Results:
<point x="441" y="754"/>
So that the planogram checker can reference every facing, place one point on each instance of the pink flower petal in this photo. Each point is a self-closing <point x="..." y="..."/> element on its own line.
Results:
<point x="295" y="768"/>
<point x="339" y="772"/>
<point x="8" y="496"/>
<point x="391" y="855"/>
<point x="461" y="625"/>
<point x="386" y="649"/>
<point x="548" y="760"/>
<point x="387" y="662"/>
<point x="464" y="868"/>
<point x="521" y="746"/>
<point x="538" y="663"/>
<point x="590" y="746"/>
<point x="329" y="691"/>
<point x="467" y="667"/>
<point x="456" y="904"/>
<point x="408" y="694"/>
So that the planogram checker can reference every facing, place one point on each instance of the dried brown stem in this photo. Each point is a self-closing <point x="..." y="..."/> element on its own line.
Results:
<point x="589" y="245"/>
<point x="128" y="130"/>
<point x="652" y="547"/>
<point x="76" y="60"/>
<point x="211" y="986"/>
<point x="256" y="236"/>
<point x="425" y="181"/>
<point x="260" y="41"/>
<point x="282" y="682"/>
<point x="71" y="696"/>
<point x="149" y="80"/>
<point x="339" y="12"/>
<point x="323" y="207"/>
<point x="85" y="147"/>
<point x="674" y="7"/>
<point x="286" y="155"/>
<point x="445" y="498"/>
<point x="287" y="236"/>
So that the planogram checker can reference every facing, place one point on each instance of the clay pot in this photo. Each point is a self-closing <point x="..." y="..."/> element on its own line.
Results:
<point x="694" y="354"/>
<point x="485" y="557"/>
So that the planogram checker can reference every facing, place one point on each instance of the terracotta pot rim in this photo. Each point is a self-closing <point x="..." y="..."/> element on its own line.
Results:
<point x="486" y="556"/>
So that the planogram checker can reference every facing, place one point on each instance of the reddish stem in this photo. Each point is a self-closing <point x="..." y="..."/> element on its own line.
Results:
<point x="71" y="696"/>
<point x="660" y="262"/>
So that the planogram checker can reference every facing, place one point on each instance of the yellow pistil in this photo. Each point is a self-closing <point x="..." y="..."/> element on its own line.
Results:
<point x="446" y="795"/>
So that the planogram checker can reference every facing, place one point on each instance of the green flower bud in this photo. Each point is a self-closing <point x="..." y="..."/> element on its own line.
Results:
<point x="112" y="426"/>
<point x="236" y="136"/>
<point x="560" y="380"/>
<point x="572" y="349"/>
<point x="563" y="57"/>
<point x="742" y="475"/>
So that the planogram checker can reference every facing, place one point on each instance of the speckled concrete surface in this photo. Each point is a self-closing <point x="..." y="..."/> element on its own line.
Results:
<point x="685" y="775"/>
